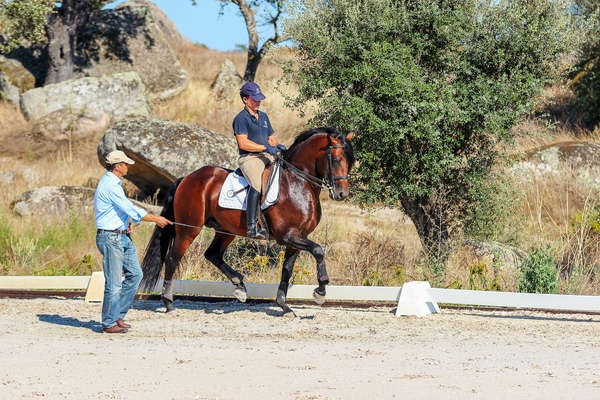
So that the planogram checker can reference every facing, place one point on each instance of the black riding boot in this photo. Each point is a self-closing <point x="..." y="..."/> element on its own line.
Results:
<point x="252" y="204"/>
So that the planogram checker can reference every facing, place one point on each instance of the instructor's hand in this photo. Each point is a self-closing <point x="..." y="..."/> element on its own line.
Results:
<point x="162" y="221"/>
<point x="157" y="219"/>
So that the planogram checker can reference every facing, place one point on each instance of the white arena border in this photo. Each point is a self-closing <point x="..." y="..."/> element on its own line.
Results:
<point x="419" y="292"/>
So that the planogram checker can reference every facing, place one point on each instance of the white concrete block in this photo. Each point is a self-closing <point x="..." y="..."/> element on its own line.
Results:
<point x="416" y="299"/>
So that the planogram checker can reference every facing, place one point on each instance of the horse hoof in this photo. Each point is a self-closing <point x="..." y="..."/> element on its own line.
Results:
<point x="240" y="294"/>
<point x="319" y="299"/>
<point x="168" y="303"/>
<point x="289" y="313"/>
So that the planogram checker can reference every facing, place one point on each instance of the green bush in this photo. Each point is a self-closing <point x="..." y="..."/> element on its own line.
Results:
<point x="538" y="272"/>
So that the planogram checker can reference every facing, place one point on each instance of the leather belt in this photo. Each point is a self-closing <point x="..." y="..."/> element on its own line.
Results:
<point x="113" y="231"/>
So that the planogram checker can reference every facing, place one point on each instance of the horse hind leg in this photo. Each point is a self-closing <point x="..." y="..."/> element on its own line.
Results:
<point x="174" y="258"/>
<point x="215" y="253"/>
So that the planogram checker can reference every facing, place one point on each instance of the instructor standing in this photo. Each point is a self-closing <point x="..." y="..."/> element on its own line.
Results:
<point x="112" y="210"/>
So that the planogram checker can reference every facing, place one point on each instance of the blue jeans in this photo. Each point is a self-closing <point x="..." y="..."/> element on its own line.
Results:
<point x="119" y="255"/>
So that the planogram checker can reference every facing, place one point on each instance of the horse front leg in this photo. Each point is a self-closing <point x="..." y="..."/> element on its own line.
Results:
<point x="286" y="273"/>
<point x="317" y="252"/>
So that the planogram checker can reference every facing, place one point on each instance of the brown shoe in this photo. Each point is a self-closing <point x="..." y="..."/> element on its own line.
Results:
<point x="114" y="329"/>
<point x="123" y="324"/>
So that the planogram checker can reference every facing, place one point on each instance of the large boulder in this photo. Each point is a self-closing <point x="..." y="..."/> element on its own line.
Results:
<point x="8" y="92"/>
<point x="14" y="79"/>
<point x="227" y="81"/>
<point x="17" y="74"/>
<point x="129" y="38"/>
<point x="85" y="105"/>
<point x="166" y="26"/>
<point x="581" y="159"/>
<point x="165" y="151"/>
<point x="61" y="200"/>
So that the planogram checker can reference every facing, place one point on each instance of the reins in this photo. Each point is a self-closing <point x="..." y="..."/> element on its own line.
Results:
<point x="322" y="183"/>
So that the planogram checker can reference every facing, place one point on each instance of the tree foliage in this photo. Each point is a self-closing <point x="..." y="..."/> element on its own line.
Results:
<point x="430" y="88"/>
<point x="58" y="23"/>
<point x="23" y="20"/>
<point x="586" y="73"/>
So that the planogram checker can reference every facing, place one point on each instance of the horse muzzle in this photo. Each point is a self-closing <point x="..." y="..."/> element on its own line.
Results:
<point x="338" y="195"/>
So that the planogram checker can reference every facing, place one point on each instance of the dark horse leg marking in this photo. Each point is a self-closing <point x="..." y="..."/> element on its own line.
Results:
<point x="302" y="243"/>
<point x="215" y="253"/>
<point x="291" y="254"/>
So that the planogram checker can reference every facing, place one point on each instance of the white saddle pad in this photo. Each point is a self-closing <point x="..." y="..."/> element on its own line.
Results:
<point x="232" y="196"/>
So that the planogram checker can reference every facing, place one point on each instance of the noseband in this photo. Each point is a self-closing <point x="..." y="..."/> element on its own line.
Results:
<point x="324" y="183"/>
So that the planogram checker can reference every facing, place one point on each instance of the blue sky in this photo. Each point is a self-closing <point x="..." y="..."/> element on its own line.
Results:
<point x="203" y="24"/>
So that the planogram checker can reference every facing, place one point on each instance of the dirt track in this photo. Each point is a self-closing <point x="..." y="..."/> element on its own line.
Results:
<point x="52" y="348"/>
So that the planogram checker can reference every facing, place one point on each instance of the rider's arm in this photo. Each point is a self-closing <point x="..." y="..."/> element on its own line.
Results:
<point x="248" y="145"/>
<point x="272" y="141"/>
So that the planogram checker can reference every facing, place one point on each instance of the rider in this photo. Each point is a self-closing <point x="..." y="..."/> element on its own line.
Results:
<point x="257" y="148"/>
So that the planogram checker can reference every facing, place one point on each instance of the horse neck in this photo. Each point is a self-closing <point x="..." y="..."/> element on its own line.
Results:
<point x="305" y="159"/>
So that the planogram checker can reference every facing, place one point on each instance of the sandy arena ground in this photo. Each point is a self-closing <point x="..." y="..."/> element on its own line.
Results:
<point x="53" y="349"/>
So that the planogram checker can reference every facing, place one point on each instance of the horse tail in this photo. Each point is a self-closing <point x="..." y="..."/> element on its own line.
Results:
<point x="161" y="241"/>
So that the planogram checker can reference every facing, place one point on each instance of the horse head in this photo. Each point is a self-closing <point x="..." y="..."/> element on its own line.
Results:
<point x="328" y="156"/>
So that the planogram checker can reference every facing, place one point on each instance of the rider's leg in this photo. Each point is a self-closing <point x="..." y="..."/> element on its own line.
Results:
<point x="252" y="166"/>
<point x="252" y="205"/>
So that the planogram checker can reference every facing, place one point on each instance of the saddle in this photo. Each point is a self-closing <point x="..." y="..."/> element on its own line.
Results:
<point x="235" y="188"/>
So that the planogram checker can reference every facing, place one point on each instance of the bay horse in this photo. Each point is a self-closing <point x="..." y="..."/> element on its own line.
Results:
<point x="318" y="158"/>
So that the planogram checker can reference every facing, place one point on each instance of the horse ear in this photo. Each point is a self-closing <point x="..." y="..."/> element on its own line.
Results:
<point x="350" y="136"/>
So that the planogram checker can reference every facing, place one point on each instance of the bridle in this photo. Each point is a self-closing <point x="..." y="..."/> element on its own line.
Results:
<point x="326" y="182"/>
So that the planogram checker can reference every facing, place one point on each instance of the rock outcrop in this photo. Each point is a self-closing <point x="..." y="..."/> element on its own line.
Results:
<point x="509" y="257"/>
<point x="582" y="159"/>
<point x="81" y="106"/>
<point x="14" y="79"/>
<point x="61" y="200"/>
<point x="129" y="38"/>
<point x="166" y="26"/>
<point x="165" y="151"/>
<point x="228" y="80"/>
<point x="17" y="74"/>
<point x="8" y="92"/>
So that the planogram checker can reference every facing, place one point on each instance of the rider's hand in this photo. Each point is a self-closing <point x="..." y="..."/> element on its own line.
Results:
<point x="281" y="147"/>
<point x="272" y="150"/>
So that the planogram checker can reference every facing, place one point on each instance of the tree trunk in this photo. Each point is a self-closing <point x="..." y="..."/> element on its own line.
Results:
<point x="60" y="57"/>
<point x="62" y="31"/>
<point x="255" y="55"/>
<point x="431" y="224"/>
<point x="254" y="59"/>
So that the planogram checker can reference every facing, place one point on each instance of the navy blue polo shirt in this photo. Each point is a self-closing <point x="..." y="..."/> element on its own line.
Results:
<point x="258" y="131"/>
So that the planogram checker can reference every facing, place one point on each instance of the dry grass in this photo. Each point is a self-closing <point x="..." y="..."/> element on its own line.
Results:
<point x="197" y="105"/>
<point x="11" y="120"/>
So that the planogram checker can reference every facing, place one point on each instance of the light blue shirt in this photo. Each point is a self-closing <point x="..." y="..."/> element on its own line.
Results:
<point x="112" y="208"/>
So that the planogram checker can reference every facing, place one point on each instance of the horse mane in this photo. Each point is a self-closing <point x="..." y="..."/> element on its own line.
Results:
<point x="329" y="130"/>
